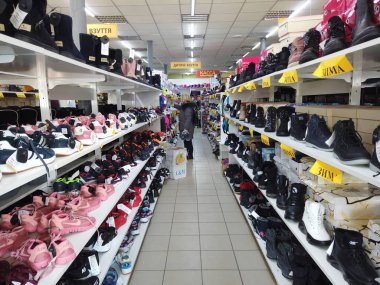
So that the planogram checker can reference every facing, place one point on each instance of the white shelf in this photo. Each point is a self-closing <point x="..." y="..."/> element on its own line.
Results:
<point x="277" y="274"/>
<point x="361" y="172"/>
<point x="79" y="240"/>
<point x="106" y="259"/>
<point x="370" y="63"/>
<point x="317" y="253"/>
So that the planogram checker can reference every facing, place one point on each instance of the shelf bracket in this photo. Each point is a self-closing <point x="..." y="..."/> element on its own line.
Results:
<point x="94" y="100"/>
<point x="357" y="75"/>
<point x="43" y="88"/>
<point x="298" y="87"/>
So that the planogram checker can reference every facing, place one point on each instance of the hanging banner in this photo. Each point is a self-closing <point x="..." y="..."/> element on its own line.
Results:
<point x="206" y="73"/>
<point x="288" y="150"/>
<point x="332" y="67"/>
<point x="185" y="65"/>
<point x="289" y="77"/>
<point x="109" y="30"/>
<point x="241" y="89"/>
<point x="327" y="172"/>
<point x="1" y="95"/>
<point x="241" y="127"/>
<point x="266" y="82"/>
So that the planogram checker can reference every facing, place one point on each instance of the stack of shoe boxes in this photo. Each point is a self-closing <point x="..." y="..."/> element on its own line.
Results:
<point x="373" y="242"/>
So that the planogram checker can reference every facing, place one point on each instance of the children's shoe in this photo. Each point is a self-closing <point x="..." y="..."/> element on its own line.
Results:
<point x="102" y="191"/>
<point x="60" y="185"/>
<point x="85" y="135"/>
<point x="62" y="250"/>
<point x="135" y="227"/>
<point x="102" y="239"/>
<point x="127" y="242"/>
<point x="21" y="274"/>
<point x="9" y="240"/>
<point x="125" y="263"/>
<point x="82" y="205"/>
<point x="63" y="223"/>
<point x="111" y="277"/>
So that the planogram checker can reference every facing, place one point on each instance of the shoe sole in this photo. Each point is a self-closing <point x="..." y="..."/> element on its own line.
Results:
<point x="314" y="146"/>
<point x="374" y="32"/>
<point x="22" y="167"/>
<point x="309" y="238"/>
<point x="65" y="151"/>
<point x="374" y="168"/>
<point x="359" y="161"/>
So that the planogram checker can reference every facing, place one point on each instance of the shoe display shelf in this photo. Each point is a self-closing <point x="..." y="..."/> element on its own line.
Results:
<point x="272" y="264"/>
<point x="79" y="240"/>
<point x="361" y="172"/>
<point x="317" y="253"/>
<point x="106" y="259"/>
<point x="364" y="58"/>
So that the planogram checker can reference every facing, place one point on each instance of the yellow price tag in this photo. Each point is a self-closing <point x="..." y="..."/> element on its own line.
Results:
<point x="229" y="121"/>
<point x="235" y="123"/>
<point x="327" y="172"/>
<point x="265" y="139"/>
<point x="241" y="127"/>
<point x="37" y="95"/>
<point x="289" y="77"/>
<point x="250" y="86"/>
<point x="288" y="150"/>
<point x="1" y="95"/>
<point x="251" y="132"/>
<point x="241" y="89"/>
<point x="335" y="66"/>
<point x="113" y="131"/>
<point x="234" y="90"/>
<point x="266" y="82"/>
<point x="20" y="95"/>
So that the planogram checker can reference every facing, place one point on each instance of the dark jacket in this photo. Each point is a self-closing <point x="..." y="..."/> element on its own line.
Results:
<point x="187" y="117"/>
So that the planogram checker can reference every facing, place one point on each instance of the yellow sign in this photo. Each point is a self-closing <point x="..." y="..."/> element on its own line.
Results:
<point x="266" y="82"/>
<point x="250" y="86"/>
<point x="289" y="77"/>
<point x="20" y="95"/>
<point x="228" y="122"/>
<point x="241" y="127"/>
<point x="109" y="30"/>
<point x="1" y="95"/>
<point x="185" y="65"/>
<point x="288" y="150"/>
<point x="37" y="95"/>
<point x="251" y="132"/>
<point x="241" y="89"/>
<point x="332" y="67"/>
<point x="234" y="90"/>
<point x="235" y="123"/>
<point x="327" y="172"/>
<point x="265" y="140"/>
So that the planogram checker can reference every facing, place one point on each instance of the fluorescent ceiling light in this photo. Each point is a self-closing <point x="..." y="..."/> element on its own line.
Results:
<point x="231" y="67"/>
<point x="192" y="59"/>
<point x="89" y="12"/>
<point x="192" y="70"/>
<point x="256" y="46"/>
<point x="246" y="54"/>
<point x="144" y="60"/>
<point x="238" y="61"/>
<point x="192" y="44"/>
<point x="192" y="30"/>
<point x="299" y="9"/>
<point x="192" y="8"/>
<point x="192" y="54"/>
<point x="272" y="32"/>
<point x="132" y="53"/>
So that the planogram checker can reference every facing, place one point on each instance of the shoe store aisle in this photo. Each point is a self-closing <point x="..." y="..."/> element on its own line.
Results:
<point x="198" y="234"/>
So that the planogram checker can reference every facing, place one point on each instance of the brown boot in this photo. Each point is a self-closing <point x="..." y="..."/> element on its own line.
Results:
<point x="296" y="50"/>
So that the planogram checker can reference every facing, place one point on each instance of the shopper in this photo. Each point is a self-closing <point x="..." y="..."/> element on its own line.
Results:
<point x="187" y="122"/>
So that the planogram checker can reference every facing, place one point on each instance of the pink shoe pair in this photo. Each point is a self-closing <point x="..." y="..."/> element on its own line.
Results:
<point x="11" y="239"/>
<point x="102" y="191"/>
<point x="27" y="217"/>
<point x="85" y="135"/>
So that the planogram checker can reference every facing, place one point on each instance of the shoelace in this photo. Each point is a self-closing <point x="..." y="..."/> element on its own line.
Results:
<point x="324" y="130"/>
<point x="352" y="137"/>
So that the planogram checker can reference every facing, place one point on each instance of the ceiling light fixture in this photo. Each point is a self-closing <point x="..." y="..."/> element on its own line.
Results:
<point x="299" y="9"/>
<point x="192" y="44"/>
<point x="192" y="54"/>
<point x="192" y="70"/>
<point x="237" y="62"/>
<point x="256" y="46"/>
<point x="88" y="11"/>
<point x="192" y="30"/>
<point x="272" y="32"/>
<point x="246" y="54"/>
<point x="231" y="67"/>
<point x="192" y="8"/>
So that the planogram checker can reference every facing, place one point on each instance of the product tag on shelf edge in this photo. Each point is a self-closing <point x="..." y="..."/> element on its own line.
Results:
<point x="18" y="17"/>
<point x="266" y="82"/>
<point x="265" y="140"/>
<point x="94" y="266"/>
<point x="20" y="95"/>
<point x="241" y="89"/>
<point x="332" y="67"/>
<point x="288" y="150"/>
<point x="327" y="172"/>
<point x="251" y="132"/>
<point x="234" y="90"/>
<point x="250" y="86"/>
<point x="1" y="95"/>
<point x="289" y="77"/>
<point x="241" y="127"/>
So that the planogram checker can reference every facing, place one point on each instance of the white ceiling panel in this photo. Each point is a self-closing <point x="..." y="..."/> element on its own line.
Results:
<point x="175" y="19"/>
<point x="226" y="8"/>
<point x="259" y="6"/>
<point x="165" y="9"/>
<point x="215" y="32"/>
<point x="105" y="11"/>
<point x="199" y="8"/>
<point x="91" y="3"/>
<point x="286" y="5"/>
<point x="129" y="2"/>
<point x="240" y="30"/>
<point x="229" y="1"/>
<point x="251" y="16"/>
<point x="228" y="17"/>
<point x="224" y="25"/>
<point x="159" y="2"/>
<point x="245" y="24"/>
<point x="131" y="10"/>
<point x="59" y="3"/>
<point x="140" y="20"/>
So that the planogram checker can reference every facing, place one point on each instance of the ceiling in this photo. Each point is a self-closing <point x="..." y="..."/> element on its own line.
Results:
<point x="232" y="29"/>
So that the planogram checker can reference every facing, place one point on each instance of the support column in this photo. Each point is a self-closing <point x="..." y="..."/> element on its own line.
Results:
<point x="43" y="88"/>
<point x="150" y="53"/>
<point x="357" y="75"/>
<point x="299" y="92"/>
<point x="118" y="99"/>
<point x="78" y="14"/>
<point x="165" y="68"/>
<point x="263" y="43"/>
<point x="94" y="101"/>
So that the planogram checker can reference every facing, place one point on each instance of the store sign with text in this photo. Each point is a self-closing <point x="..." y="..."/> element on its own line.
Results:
<point x="109" y="30"/>
<point x="206" y="73"/>
<point x="185" y="65"/>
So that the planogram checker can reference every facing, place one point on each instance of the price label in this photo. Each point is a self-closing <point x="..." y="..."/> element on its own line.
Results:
<point x="228" y="121"/>
<point x="235" y="123"/>
<point x="289" y="77"/>
<point x="241" y="89"/>
<point x="265" y="139"/>
<point x="332" y="67"/>
<point x="250" y="86"/>
<point x="241" y="127"/>
<point x="266" y="82"/>
<point x="288" y="150"/>
<point x="327" y="172"/>
<point x="234" y="90"/>
<point x="20" y="95"/>
<point x="37" y="95"/>
<point x="251" y="132"/>
<point x="1" y="95"/>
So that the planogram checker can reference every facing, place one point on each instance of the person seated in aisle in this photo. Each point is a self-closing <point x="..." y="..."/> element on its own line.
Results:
<point x="187" y="119"/>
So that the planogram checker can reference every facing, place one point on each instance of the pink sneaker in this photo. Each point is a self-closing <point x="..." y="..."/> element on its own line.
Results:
<point x="11" y="239"/>
<point x="102" y="191"/>
<point x="101" y="130"/>
<point x="100" y="118"/>
<point x="27" y="216"/>
<point x="43" y="225"/>
<point x="82" y="205"/>
<point x="34" y="253"/>
<point x="85" y="135"/>
<point x="85" y="120"/>
<point x="64" y="223"/>
<point x="63" y="249"/>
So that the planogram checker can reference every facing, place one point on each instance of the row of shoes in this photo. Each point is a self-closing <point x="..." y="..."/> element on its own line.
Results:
<point x="192" y="86"/>
<point x="28" y="21"/>
<point x="344" y="141"/>
<point x="307" y="48"/>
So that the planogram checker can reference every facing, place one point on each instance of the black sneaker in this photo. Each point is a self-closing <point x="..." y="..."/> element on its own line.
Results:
<point x="89" y="281"/>
<point x="298" y="125"/>
<point x="375" y="159"/>
<point x="318" y="134"/>
<point x="295" y="204"/>
<point x="84" y="266"/>
<point x="101" y="239"/>
<point x="285" y="258"/>
<point x="282" y="184"/>
<point x="271" y="123"/>
<point x="283" y="114"/>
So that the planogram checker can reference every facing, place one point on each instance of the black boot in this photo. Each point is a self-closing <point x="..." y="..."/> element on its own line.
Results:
<point x="6" y="9"/>
<point x="365" y="28"/>
<point x="32" y="29"/>
<point x="102" y="52"/>
<point x="250" y="71"/>
<point x="63" y="36"/>
<point x="272" y="63"/>
<point x="312" y="38"/>
<point x="237" y="109"/>
<point x="150" y="196"/>
<point x="271" y="243"/>
<point x="268" y="178"/>
<point x="252" y="114"/>
<point x="139" y="68"/>
<point x="375" y="159"/>
<point x="254" y="160"/>
<point x="295" y="204"/>
<point x="233" y="108"/>
<point x="241" y="150"/>
<point x="282" y="184"/>
<point x="336" y="40"/>
<point x="318" y="133"/>
<point x="148" y="75"/>
<point x="298" y="125"/>
<point x="348" y="146"/>
<point x="260" y="118"/>
<point x="271" y="123"/>
<point x="283" y="114"/>
<point x="346" y="253"/>
<point x="262" y="67"/>
<point x="271" y="174"/>
<point x="88" y="45"/>
<point x="285" y="258"/>
<point x="116" y="60"/>
<point x="283" y="59"/>
<point x="244" y="197"/>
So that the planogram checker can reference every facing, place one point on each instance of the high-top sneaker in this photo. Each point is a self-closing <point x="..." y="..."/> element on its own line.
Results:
<point x="271" y="123"/>
<point x="375" y="159"/>
<point x="312" y="38"/>
<point x="298" y="125"/>
<point x="260" y="118"/>
<point x="336" y="40"/>
<point x="6" y="9"/>
<point x="88" y="48"/>
<point x="272" y="61"/>
<point x="243" y="112"/>
<point x="271" y="243"/>
<point x="282" y="184"/>
<point x="283" y="59"/>
<point x="233" y="107"/>
<point x="365" y="28"/>
<point x="237" y="110"/>
<point x="250" y="71"/>
<point x="283" y="114"/>
<point x="346" y="253"/>
<point x="63" y="36"/>
<point x="318" y="134"/>
<point x="32" y="28"/>
<point x="296" y="50"/>
<point x="348" y="146"/>
<point x="296" y="202"/>
<point x="312" y="224"/>
<point x="285" y="257"/>
<point x="115" y="60"/>
<point x="252" y="114"/>
<point x="271" y="174"/>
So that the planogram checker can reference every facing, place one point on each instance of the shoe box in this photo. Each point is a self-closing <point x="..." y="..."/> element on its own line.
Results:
<point x="298" y="25"/>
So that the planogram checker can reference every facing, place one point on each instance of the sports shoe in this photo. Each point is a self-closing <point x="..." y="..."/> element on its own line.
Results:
<point x="298" y="125"/>
<point x="125" y="263"/>
<point x="100" y="129"/>
<point x="127" y="242"/>
<point x="318" y="134"/>
<point x="84" y="266"/>
<point x="62" y="250"/>
<point x="375" y="158"/>
<point x="102" y="191"/>
<point x="85" y="135"/>
<point x="83" y="206"/>
<point x="135" y="227"/>
<point x="27" y="216"/>
<point x="65" y="223"/>
<point x="21" y="274"/>
<point x="296" y="202"/>
<point x="11" y="239"/>
<point x="111" y="277"/>
<point x="102" y="239"/>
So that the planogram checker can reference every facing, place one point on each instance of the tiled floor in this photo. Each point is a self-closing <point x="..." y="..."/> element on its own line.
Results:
<point x="198" y="234"/>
